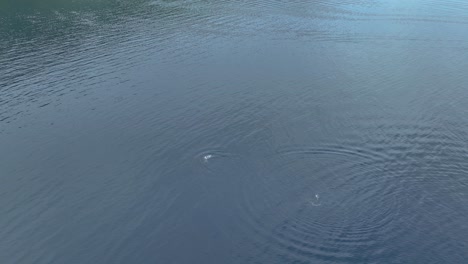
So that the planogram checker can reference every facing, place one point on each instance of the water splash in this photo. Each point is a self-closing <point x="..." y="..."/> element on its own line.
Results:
<point x="207" y="157"/>
<point x="316" y="201"/>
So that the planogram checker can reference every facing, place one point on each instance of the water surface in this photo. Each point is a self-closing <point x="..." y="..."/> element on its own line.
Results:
<point x="204" y="131"/>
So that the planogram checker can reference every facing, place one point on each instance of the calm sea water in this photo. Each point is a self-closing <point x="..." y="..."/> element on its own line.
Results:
<point x="203" y="131"/>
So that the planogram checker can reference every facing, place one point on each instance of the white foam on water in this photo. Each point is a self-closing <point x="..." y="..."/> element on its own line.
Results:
<point x="316" y="202"/>
<point x="207" y="157"/>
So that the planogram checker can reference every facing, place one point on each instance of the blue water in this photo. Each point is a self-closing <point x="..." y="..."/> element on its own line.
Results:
<point x="261" y="131"/>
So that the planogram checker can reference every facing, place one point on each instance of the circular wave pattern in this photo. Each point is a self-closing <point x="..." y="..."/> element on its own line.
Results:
<point x="341" y="204"/>
<point x="322" y="203"/>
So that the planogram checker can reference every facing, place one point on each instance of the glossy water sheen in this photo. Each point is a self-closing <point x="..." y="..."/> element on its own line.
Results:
<point x="263" y="131"/>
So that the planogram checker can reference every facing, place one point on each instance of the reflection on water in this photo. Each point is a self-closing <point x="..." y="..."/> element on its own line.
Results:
<point x="233" y="131"/>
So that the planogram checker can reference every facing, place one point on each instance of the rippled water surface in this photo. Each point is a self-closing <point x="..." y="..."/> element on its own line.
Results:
<point x="263" y="131"/>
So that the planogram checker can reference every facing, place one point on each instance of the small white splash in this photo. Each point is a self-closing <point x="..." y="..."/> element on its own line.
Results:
<point x="207" y="157"/>
<point x="316" y="201"/>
